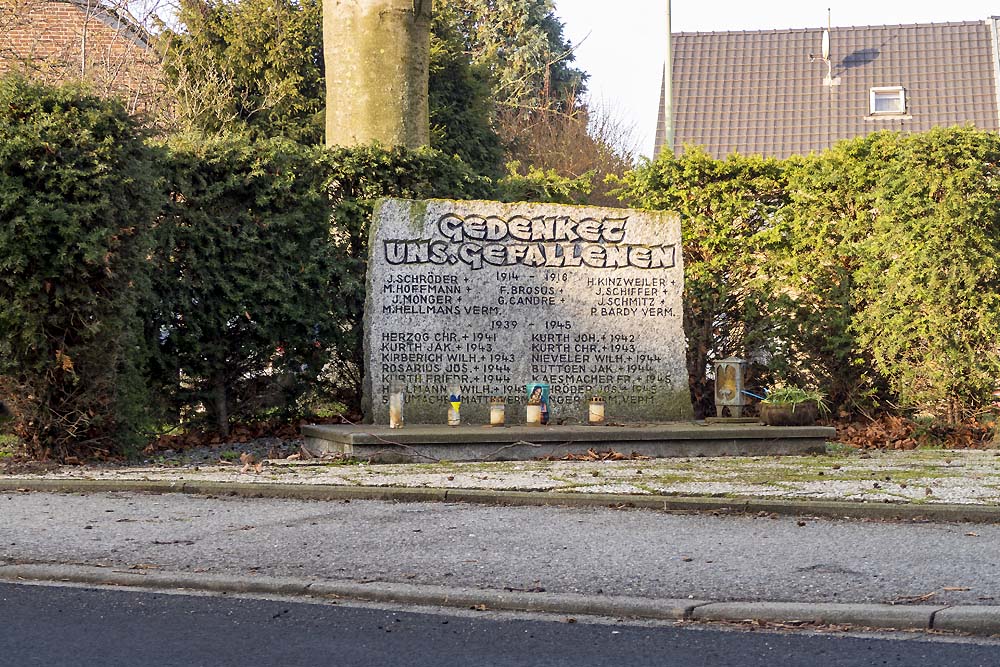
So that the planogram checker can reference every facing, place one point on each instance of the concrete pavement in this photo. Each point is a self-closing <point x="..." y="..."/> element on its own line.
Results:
<point x="642" y="564"/>
<point x="920" y="487"/>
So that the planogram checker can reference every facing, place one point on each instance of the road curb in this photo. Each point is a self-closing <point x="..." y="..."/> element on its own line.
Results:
<point x="975" y="620"/>
<point x="743" y="505"/>
<point x="385" y="592"/>
<point x="895" y="617"/>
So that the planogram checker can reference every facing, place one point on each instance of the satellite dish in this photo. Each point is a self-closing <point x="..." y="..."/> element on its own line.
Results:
<point x="826" y="45"/>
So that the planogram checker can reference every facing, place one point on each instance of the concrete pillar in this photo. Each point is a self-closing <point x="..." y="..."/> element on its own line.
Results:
<point x="377" y="55"/>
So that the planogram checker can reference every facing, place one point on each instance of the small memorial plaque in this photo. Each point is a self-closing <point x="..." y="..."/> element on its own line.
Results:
<point x="493" y="297"/>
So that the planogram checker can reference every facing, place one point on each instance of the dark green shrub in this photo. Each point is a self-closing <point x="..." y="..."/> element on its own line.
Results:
<point x="249" y="290"/>
<point x="814" y="255"/>
<point x="261" y="256"/>
<point x="726" y="206"/>
<point x="929" y="279"/>
<point x="540" y="185"/>
<point x="870" y="270"/>
<point x="889" y="254"/>
<point x="77" y="197"/>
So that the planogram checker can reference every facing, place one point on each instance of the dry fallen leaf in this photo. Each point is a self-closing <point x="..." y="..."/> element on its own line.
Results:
<point x="64" y="361"/>
<point x="911" y="599"/>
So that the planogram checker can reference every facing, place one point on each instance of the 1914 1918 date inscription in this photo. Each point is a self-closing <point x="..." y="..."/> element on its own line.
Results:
<point x="490" y="297"/>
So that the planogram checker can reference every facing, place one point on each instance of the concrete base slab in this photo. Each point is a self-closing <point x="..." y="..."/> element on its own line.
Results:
<point x="426" y="443"/>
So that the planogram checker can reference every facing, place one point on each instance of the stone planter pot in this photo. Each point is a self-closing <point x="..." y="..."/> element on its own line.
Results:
<point x="787" y="414"/>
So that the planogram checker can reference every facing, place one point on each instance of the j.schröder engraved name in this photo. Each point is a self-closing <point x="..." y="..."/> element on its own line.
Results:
<point x="543" y="241"/>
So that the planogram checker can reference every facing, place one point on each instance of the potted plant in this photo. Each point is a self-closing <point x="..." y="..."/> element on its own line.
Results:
<point x="792" y="406"/>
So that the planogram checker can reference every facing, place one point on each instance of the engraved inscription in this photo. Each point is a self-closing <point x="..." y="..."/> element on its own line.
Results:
<point x="492" y="296"/>
<point x="543" y="241"/>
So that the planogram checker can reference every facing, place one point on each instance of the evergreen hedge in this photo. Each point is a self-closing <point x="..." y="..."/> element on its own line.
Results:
<point x="77" y="198"/>
<point x="260" y="259"/>
<point x="871" y="271"/>
<point x="244" y="281"/>
<point x="147" y="285"/>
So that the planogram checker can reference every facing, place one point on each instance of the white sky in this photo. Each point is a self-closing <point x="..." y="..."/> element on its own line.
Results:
<point x="624" y="50"/>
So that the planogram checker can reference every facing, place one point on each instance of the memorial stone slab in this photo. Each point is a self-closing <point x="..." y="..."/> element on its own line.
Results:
<point x="490" y="297"/>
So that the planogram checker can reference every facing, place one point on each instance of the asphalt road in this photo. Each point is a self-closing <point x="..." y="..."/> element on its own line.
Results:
<point x="55" y="626"/>
<point x="590" y="551"/>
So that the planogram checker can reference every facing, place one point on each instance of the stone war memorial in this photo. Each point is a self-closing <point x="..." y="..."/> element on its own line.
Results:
<point x="470" y="304"/>
<point x="491" y="297"/>
<point x="507" y="331"/>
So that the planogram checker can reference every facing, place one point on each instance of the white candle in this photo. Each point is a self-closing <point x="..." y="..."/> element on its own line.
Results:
<point x="396" y="409"/>
<point x="596" y="410"/>
<point x="533" y="414"/>
<point x="497" y="412"/>
<point x="454" y="416"/>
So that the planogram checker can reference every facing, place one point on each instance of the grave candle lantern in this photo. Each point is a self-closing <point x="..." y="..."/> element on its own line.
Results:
<point x="729" y="385"/>
<point x="454" y="405"/>
<point x="533" y="412"/>
<point x="596" y="412"/>
<point x="497" y="411"/>
<point x="396" y="401"/>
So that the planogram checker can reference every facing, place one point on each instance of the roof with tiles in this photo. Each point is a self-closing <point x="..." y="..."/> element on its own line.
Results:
<point x="763" y="92"/>
<point x="117" y="17"/>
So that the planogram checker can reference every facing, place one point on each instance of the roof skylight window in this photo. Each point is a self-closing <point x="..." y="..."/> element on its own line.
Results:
<point x="887" y="100"/>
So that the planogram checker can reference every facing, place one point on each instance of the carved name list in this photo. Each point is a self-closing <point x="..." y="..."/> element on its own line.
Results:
<point x="491" y="296"/>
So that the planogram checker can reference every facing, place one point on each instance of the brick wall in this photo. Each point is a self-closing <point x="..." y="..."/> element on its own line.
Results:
<point x="64" y="40"/>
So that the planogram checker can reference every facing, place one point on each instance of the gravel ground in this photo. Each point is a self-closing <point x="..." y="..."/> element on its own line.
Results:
<point x="919" y="477"/>
<point x="260" y="449"/>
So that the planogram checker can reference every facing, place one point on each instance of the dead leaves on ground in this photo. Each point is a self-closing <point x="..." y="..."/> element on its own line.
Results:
<point x="895" y="432"/>
<point x="912" y="599"/>
<point x="249" y="461"/>
<point x="592" y="455"/>
<point x="240" y="434"/>
<point x="917" y="599"/>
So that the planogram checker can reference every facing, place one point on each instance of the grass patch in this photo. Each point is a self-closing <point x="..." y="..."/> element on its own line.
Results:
<point x="671" y="479"/>
<point x="329" y="410"/>
<point x="340" y="463"/>
<point x="8" y="446"/>
<point x="839" y="449"/>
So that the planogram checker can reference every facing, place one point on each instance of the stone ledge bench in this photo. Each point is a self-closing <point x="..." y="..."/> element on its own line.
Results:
<point x="428" y="443"/>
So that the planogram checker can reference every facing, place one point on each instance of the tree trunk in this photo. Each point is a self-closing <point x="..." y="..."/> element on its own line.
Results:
<point x="377" y="55"/>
